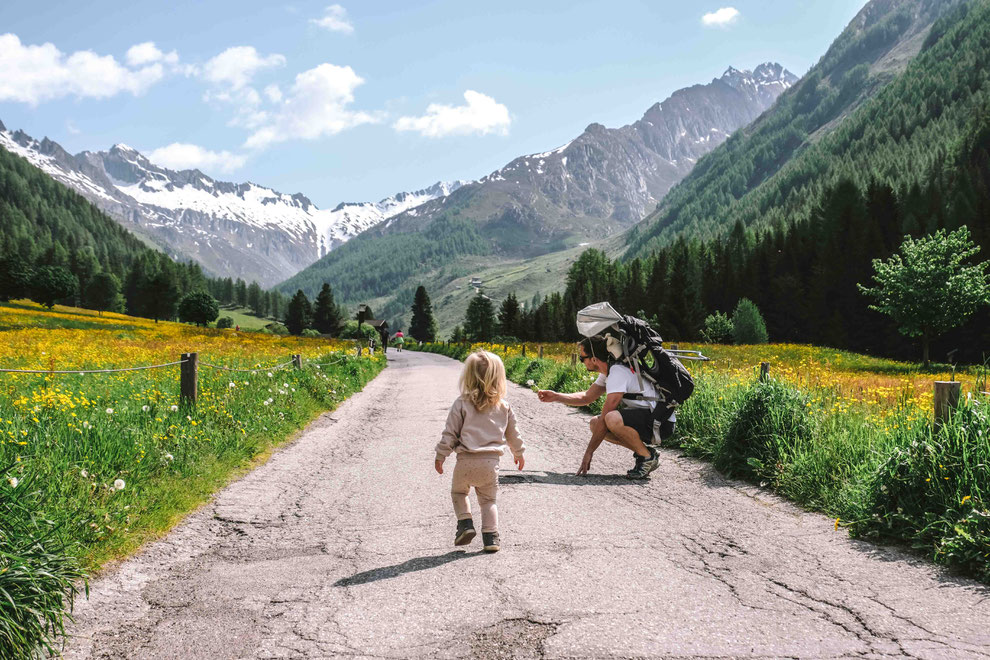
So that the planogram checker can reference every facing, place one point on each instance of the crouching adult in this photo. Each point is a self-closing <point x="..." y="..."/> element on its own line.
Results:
<point x="626" y="420"/>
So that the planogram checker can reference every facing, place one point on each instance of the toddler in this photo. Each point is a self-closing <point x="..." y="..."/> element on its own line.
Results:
<point x="479" y="426"/>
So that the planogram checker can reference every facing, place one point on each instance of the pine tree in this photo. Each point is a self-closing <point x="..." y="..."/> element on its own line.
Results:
<point x="422" y="327"/>
<point x="162" y="292"/>
<point x="254" y="298"/>
<point x="240" y="292"/>
<point x="103" y="293"/>
<point x="509" y="317"/>
<point x="479" y="321"/>
<point x="298" y="314"/>
<point x="326" y="315"/>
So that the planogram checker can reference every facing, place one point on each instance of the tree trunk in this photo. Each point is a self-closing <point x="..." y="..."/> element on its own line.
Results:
<point x="925" y="342"/>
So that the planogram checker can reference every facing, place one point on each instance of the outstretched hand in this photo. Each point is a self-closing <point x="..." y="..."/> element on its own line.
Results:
<point x="546" y="396"/>
<point x="520" y="461"/>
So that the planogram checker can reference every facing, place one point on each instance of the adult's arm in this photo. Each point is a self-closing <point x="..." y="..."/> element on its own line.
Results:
<point x="575" y="399"/>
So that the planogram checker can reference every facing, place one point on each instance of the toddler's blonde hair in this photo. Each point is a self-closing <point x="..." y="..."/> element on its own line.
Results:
<point x="483" y="380"/>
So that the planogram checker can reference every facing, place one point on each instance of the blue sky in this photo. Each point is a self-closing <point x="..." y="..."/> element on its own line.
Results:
<point x="357" y="101"/>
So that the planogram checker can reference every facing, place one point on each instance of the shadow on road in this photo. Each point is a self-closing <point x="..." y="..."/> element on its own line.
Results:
<point x="569" y="479"/>
<point x="409" y="566"/>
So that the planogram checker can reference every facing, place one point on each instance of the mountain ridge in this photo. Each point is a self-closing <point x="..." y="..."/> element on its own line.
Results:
<point x="241" y="230"/>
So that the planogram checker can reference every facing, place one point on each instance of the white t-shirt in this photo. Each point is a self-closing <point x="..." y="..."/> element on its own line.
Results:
<point x="620" y="378"/>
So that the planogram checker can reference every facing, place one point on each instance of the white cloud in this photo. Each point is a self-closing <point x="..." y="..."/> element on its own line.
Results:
<point x="181" y="156"/>
<point x="335" y="20"/>
<point x="236" y="66"/>
<point x="721" y="17"/>
<point x="71" y="127"/>
<point x="481" y="115"/>
<point x="316" y="105"/>
<point x="148" y="53"/>
<point x="33" y="74"/>
<point x="273" y="93"/>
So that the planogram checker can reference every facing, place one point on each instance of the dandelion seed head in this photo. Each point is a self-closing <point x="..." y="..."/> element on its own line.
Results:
<point x="119" y="484"/>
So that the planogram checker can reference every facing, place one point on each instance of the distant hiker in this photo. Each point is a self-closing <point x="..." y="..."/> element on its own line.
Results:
<point x="237" y="328"/>
<point x="479" y="426"/>
<point x="399" y="340"/>
<point x="631" y="426"/>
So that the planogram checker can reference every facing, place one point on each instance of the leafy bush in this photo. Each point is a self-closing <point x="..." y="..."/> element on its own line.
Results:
<point x="718" y="329"/>
<point x="277" y="328"/>
<point x="748" y="324"/>
<point x="225" y="322"/>
<point x="935" y="492"/>
<point x="37" y="572"/>
<point x="311" y="332"/>
<point x="199" y="307"/>
<point x="350" y="330"/>
<point x="772" y="418"/>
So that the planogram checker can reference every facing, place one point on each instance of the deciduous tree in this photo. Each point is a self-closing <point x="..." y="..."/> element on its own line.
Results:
<point x="926" y="288"/>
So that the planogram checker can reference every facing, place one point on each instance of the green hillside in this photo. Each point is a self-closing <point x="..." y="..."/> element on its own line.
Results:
<point x="913" y="160"/>
<point x="776" y="170"/>
<point x="39" y="217"/>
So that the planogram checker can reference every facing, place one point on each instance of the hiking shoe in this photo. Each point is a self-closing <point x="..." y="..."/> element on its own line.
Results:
<point x="465" y="532"/>
<point x="648" y="465"/>
<point x="490" y="540"/>
<point x="638" y="465"/>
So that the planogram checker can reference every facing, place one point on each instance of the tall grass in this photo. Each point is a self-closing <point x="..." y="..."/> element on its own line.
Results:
<point x="878" y="466"/>
<point x="94" y="465"/>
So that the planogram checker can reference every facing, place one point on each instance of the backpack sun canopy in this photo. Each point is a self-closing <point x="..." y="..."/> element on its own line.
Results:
<point x="596" y="318"/>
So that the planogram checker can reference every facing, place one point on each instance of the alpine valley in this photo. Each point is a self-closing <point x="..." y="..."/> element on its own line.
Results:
<point x="595" y="186"/>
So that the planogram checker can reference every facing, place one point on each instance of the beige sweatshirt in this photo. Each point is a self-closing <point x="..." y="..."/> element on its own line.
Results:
<point x="471" y="431"/>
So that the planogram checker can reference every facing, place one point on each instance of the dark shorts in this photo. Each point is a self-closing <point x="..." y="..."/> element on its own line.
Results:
<point x="641" y="419"/>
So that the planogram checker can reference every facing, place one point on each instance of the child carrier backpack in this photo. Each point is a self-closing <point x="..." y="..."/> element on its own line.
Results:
<point x="635" y="344"/>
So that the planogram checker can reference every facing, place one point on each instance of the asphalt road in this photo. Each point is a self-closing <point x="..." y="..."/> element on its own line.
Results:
<point x="342" y="545"/>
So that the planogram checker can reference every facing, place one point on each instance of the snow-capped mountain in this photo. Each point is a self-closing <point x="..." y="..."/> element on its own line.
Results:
<point x="607" y="179"/>
<point x="349" y="219"/>
<point x="232" y="229"/>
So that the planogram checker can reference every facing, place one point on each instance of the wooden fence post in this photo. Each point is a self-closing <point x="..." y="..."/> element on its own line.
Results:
<point x="574" y="359"/>
<point x="673" y="347"/>
<point x="541" y="351"/>
<point x="189" y="378"/>
<point x="359" y="350"/>
<point x="946" y="399"/>
<point x="764" y="371"/>
<point x="524" y="350"/>
<point x="297" y="361"/>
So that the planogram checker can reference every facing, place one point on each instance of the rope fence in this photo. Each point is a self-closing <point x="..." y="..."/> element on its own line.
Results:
<point x="89" y="371"/>
<point x="189" y="370"/>
<point x="255" y="370"/>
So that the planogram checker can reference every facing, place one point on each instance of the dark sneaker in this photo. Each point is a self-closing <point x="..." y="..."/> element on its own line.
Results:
<point x="639" y="463"/>
<point x="491" y="541"/>
<point x="465" y="532"/>
<point x="648" y="465"/>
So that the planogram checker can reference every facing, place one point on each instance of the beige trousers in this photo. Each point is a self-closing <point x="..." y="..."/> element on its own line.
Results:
<point x="481" y="471"/>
